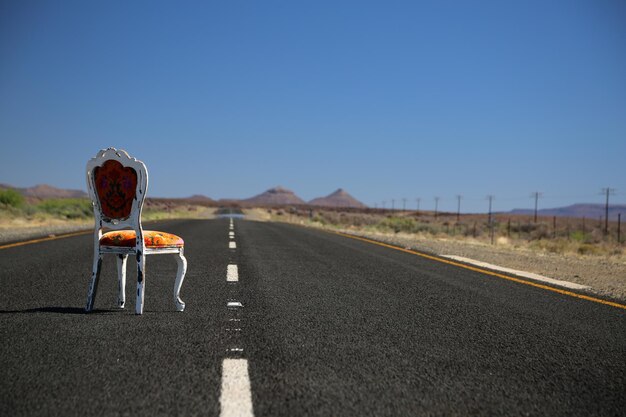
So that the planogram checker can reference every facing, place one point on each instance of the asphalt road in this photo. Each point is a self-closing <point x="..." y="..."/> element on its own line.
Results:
<point x="329" y="326"/>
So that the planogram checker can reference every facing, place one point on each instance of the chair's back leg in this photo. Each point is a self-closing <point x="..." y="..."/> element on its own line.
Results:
<point x="141" y="281"/>
<point x="93" y="284"/>
<point x="180" y="276"/>
<point x="121" y="280"/>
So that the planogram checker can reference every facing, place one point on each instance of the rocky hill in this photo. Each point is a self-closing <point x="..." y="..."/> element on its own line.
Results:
<point x="200" y="198"/>
<point x="277" y="196"/>
<point x="339" y="198"/>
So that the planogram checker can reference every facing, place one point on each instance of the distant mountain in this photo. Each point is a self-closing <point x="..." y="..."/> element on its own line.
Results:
<point x="590" y="211"/>
<point x="276" y="196"/>
<point x="339" y="198"/>
<point x="201" y="198"/>
<point x="42" y="191"/>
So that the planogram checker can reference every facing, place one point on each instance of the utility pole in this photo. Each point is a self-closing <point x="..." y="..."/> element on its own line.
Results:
<point x="393" y="204"/>
<point x="384" y="203"/>
<point x="436" y="206"/>
<point x="490" y="198"/>
<point x="418" y="203"/>
<point x="607" y="191"/>
<point x="458" y="207"/>
<point x="404" y="204"/>
<point x="536" y="196"/>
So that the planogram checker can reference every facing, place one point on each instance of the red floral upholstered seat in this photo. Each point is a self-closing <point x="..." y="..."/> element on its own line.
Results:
<point x="117" y="186"/>
<point x="152" y="239"/>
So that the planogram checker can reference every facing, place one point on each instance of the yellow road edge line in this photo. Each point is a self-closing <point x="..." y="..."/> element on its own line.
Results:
<point x="45" y="239"/>
<point x="485" y="271"/>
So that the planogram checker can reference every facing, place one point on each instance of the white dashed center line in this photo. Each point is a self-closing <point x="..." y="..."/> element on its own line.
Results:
<point x="232" y="273"/>
<point x="236" y="397"/>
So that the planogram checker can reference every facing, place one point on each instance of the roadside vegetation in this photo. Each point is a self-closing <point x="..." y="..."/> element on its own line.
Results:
<point x="14" y="208"/>
<point x="552" y="235"/>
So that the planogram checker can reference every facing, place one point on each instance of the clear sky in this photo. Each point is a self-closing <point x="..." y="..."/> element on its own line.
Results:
<point x="386" y="99"/>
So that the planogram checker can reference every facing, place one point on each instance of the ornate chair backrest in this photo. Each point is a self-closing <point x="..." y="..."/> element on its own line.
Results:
<point x="117" y="186"/>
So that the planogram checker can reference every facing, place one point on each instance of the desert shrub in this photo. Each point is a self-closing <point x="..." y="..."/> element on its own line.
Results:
<point x="11" y="198"/>
<point x="318" y="219"/>
<point x="527" y="229"/>
<point x="551" y="245"/>
<point x="541" y="231"/>
<point x="407" y="225"/>
<point x="577" y="236"/>
<point x="399" y="224"/>
<point x="588" y="249"/>
<point x="470" y="230"/>
<point x="69" y="208"/>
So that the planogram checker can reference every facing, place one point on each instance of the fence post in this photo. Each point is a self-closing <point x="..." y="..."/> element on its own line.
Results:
<point x="508" y="228"/>
<point x="554" y="227"/>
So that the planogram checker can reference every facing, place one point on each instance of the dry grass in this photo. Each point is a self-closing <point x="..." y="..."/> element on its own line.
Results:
<point x="69" y="215"/>
<point x="548" y="235"/>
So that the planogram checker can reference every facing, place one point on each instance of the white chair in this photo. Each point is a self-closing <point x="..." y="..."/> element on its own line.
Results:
<point x="117" y="186"/>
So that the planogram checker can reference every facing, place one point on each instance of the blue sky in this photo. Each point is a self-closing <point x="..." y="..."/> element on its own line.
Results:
<point x="388" y="100"/>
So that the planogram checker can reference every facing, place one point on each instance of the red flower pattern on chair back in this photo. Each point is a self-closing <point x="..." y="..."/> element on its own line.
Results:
<point x="116" y="187"/>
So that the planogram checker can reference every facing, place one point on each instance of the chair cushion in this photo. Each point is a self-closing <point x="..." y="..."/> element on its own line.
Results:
<point x="152" y="239"/>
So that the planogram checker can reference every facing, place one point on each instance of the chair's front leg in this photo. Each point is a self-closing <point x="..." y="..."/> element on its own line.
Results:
<point x="121" y="280"/>
<point x="93" y="284"/>
<point x="180" y="276"/>
<point x="141" y="281"/>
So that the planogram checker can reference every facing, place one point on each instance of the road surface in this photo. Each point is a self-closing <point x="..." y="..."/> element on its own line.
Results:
<point x="318" y="324"/>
